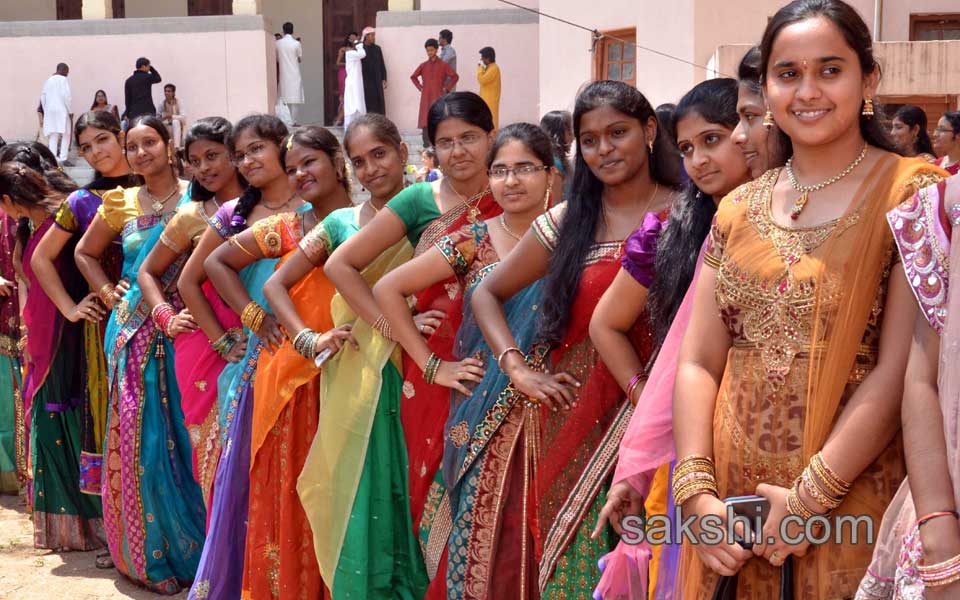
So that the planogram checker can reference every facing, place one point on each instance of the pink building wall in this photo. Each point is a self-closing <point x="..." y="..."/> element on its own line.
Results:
<point x="517" y="48"/>
<point x="226" y="73"/>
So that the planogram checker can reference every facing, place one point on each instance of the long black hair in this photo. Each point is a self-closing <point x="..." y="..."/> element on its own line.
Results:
<point x="319" y="138"/>
<point x="690" y="216"/>
<point x="912" y="116"/>
<point x="106" y="121"/>
<point x="559" y="126"/>
<point x="584" y="204"/>
<point x="40" y="159"/>
<point x="858" y="38"/>
<point x="465" y="106"/>
<point x="211" y="129"/>
<point x="266" y="127"/>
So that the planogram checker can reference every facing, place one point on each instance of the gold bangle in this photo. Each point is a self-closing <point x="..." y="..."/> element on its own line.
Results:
<point x="106" y="294"/>
<point x="382" y="326"/>
<point x="252" y="316"/>
<point x="505" y="352"/>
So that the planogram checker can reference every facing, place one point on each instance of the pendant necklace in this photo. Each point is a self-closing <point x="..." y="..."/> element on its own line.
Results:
<point x="472" y="211"/>
<point x="805" y="190"/>
<point x="156" y="204"/>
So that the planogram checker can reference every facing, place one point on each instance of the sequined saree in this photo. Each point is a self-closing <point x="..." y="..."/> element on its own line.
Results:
<point x="795" y="362"/>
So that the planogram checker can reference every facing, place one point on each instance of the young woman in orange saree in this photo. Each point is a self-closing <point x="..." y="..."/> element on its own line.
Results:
<point x="279" y="561"/>
<point x="789" y="377"/>
<point x="556" y="445"/>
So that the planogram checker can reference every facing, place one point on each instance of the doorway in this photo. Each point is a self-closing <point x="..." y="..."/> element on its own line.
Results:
<point x="340" y="17"/>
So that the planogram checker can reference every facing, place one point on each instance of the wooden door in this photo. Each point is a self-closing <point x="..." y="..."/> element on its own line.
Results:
<point x="340" y="17"/>
<point x="615" y="56"/>
<point x="69" y="9"/>
<point x="196" y="8"/>
<point x="119" y="9"/>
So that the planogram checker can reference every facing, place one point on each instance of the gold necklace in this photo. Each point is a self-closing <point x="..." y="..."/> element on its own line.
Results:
<point x="503" y="223"/>
<point x="643" y="214"/>
<point x="472" y="211"/>
<point x="278" y="207"/>
<point x="157" y="204"/>
<point x="805" y="190"/>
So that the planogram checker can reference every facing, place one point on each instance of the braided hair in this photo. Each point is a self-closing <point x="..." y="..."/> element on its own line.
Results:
<point x="266" y="127"/>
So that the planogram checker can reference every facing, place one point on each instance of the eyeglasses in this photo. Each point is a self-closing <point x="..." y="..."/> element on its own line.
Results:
<point x="465" y="140"/>
<point x="524" y="172"/>
<point x="253" y="152"/>
<point x="943" y="130"/>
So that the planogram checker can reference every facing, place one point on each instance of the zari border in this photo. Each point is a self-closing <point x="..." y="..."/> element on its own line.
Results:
<point x="578" y="502"/>
<point x="9" y="347"/>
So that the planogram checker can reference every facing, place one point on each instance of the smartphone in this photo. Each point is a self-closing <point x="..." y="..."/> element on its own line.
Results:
<point x="754" y="509"/>
<point x="322" y="357"/>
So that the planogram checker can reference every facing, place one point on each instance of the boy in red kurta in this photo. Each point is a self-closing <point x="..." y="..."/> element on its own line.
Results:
<point x="430" y="78"/>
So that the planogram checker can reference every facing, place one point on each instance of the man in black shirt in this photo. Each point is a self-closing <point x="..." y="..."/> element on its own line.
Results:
<point x="374" y="73"/>
<point x="138" y="97"/>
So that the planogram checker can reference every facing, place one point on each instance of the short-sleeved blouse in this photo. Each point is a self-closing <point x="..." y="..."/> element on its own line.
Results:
<point x="640" y="250"/>
<point x="417" y="208"/>
<point x="327" y="235"/>
<point x="469" y="252"/>
<point x="119" y="208"/>
<point x="77" y="211"/>
<point x="185" y="228"/>
<point x="279" y="234"/>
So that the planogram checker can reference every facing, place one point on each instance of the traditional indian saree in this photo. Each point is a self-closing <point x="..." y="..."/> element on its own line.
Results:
<point x="279" y="560"/>
<point x="354" y="483"/>
<point x="196" y="363"/>
<point x="803" y="307"/>
<point x="74" y="217"/>
<point x="63" y="517"/>
<point x="12" y="462"/>
<point x="645" y="462"/>
<point x="153" y="509"/>
<point x="923" y="229"/>
<point x="220" y="573"/>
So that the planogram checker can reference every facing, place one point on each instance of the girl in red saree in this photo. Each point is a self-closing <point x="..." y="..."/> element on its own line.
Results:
<point x="558" y="442"/>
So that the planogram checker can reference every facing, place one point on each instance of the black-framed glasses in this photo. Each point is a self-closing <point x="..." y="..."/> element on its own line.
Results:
<point x="524" y="172"/>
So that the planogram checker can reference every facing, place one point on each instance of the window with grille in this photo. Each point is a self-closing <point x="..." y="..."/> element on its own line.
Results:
<point x="616" y="56"/>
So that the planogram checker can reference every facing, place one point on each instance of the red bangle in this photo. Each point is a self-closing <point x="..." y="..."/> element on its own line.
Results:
<point x="163" y="315"/>
<point x="934" y="515"/>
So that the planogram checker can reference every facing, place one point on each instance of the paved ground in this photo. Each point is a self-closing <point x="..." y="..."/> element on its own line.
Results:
<point x="30" y="574"/>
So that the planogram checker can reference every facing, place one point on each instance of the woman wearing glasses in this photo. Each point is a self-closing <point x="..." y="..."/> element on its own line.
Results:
<point x="460" y="127"/>
<point x="198" y="360"/>
<point x="567" y="412"/>
<point x="520" y="169"/>
<point x="946" y="142"/>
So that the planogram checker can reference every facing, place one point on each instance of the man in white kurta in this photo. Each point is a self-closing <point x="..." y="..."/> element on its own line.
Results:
<point x="289" y="55"/>
<point x="55" y="99"/>
<point x="353" y="100"/>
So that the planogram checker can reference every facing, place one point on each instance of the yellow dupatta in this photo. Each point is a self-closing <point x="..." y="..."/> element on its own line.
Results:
<point x="349" y="391"/>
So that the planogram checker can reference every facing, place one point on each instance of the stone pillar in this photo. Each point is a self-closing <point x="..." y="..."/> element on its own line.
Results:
<point x="97" y="9"/>
<point x="247" y="7"/>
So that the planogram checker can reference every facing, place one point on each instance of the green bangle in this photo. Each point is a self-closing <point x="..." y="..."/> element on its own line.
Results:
<point x="430" y="369"/>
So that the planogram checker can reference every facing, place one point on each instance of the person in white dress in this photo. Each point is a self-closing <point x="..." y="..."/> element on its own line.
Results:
<point x="55" y="100"/>
<point x="353" y="99"/>
<point x="289" y="56"/>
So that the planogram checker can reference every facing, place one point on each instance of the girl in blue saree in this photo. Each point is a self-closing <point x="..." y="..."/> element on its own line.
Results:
<point x="154" y="515"/>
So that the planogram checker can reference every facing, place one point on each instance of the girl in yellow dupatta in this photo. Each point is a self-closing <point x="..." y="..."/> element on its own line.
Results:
<point x="789" y="378"/>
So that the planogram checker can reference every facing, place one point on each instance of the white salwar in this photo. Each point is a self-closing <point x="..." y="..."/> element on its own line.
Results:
<point x="289" y="53"/>
<point x="353" y="100"/>
<point x="55" y="99"/>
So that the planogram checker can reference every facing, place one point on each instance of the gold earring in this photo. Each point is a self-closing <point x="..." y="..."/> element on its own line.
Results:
<point x="768" y="121"/>
<point x="650" y="146"/>
<point x="546" y="198"/>
<point x="868" y="108"/>
<point x="170" y="155"/>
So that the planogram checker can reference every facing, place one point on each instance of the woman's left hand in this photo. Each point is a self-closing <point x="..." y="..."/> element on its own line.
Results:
<point x="6" y="287"/>
<point x="770" y="545"/>
<point x="429" y="321"/>
<point x="270" y="333"/>
<point x="182" y="322"/>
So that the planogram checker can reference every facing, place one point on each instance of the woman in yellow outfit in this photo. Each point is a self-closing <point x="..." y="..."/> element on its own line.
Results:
<point x="488" y="74"/>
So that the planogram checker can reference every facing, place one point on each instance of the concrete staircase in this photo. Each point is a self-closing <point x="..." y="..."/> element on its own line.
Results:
<point x="82" y="173"/>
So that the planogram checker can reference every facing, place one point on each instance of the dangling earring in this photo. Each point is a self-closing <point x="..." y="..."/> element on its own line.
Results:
<point x="170" y="155"/>
<point x="650" y="146"/>
<point x="546" y="198"/>
<point x="868" y="108"/>
<point x="768" y="121"/>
